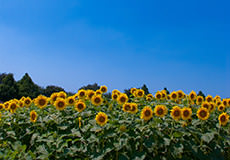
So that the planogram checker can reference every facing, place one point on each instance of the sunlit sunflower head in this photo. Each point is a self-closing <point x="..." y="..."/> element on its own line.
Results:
<point x="173" y="95"/>
<point x="2" y="106"/>
<point x="225" y="102"/>
<point x="33" y="116"/>
<point x="149" y="97"/>
<point x="27" y="101"/>
<point x="163" y="94"/>
<point x="212" y="106"/>
<point x="7" y="105"/>
<point x="218" y="102"/>
<point x="158" y="95"/>
<point x="223" y="119"/>
<point x="160" y="110"/>
<point x="186" y="113"/>
<point x="98" y="92"/>
<point x="90" y="94"/>
<point x="192" y="95"/>
<point x="103" y="89"/>
<point x="139" y="93"/>
<point x="97" y="100"/>
<point x="221" y="108"/>
<point x="209" y="98"/>
<point x="114" y="96"/>
<point x="203" y="113"/>
<point x="13" y="106"/>
<point x="80" y="106"/>
<point x="60" y="104"/>
<point x="122" y="98"/>
<point x="134" y="108"/>
<point x="101" y="118"/>
<point x="132" y="90"/>
<point x="217" y="97"/>
<point x="126" y="107"/>
<point x="206" y="105"/>
<point x="21" y="103"/>
<point x="199" y="100"/>
<point x="116" y="91"/>
<point x="81" y="94"/>
<point x="180" y="94"/>
<point x="146" y="113"/>
<point x="70" y="101"/>
<point x="62" y="94"/>
<point x="53" y="97"/>
<point x="176" y="113"/>
<point x="41" y="101"/>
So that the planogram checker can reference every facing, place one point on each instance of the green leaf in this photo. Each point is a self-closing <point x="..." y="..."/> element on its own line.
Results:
<point x="207" y="137"/>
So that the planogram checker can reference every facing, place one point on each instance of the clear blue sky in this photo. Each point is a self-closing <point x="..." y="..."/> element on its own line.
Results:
<point x="122" y="44"/>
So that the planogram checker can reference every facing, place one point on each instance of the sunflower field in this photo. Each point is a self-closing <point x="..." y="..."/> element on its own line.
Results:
<point x="89" y="125"/>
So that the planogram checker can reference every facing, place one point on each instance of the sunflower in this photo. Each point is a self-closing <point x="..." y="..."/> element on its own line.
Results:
<point x="225" y="102"/>
<point x="27" y="101"/>
<point x="186" y="113"/>
<point x="173" y="95"/>
<point x="218" y="102"/>
<point x="103" y="89"/>
<point x="53" y="97"/>
<point x="90" y="94"/>
<point x="212" y="106"/>
<point x="209" y="98"/>
<point x="81" y="93"/>
<point x="180" y="94"/>
<point x="21" y="103"/>
<point x="176" y="113"/>
<point x="101" y="118"/>
<point x="139" y="93"/>
<point x="223" y="119"/>
<point x="13" y="106"/>
<point x="97" y="100"/>
<point x="160" y="110"/>
<point x="70" y="101"/>
<point x="33" y="116"/>
<point x="199" y="100"/>
<point x="163" y="94"/>
<point x="122" y="98"/>
<point x="203" y="113"/>
<point x="62" y="94"/>
<point x="206" y="105"/>
<point x="134" y="108"/>
<point x="2" y="106"/>
<point x="7" y="105"/>
<point x="126" y="107"/>
<point x="60" y="104"/>
<point x="114" y="96"/>
<point x="149" y="97"/>
<point x="41" y="101"/>
<point x="22" y="98"/>
<point x="158" y="95"/>
<point x="116" y="91"/>
<point x="221" y="108"/>
<point x="146" y="113"/>
<point x="80" y="106"/>
<point x="132" y="90"/>
<point x="192" y="95"/>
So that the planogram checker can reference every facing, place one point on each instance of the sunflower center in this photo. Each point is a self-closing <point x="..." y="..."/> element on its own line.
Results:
<point x="160" y="111"/>
<point x="61" y="104"/>
<point x="140" y="93"/>
<point x="206" y="106"/>
<point x="147" y="113"/>
<point x="186" y="113"/>
<point x="82" y="94"/>
<point x="102" y="119"/>
<point x="71" y="101"/>
<point x="33" y="116"/>
<point x="27" y="101"/>
<point x="13" y="106"/>
<point x="180" y="95"/>
<point x="122" y="99"/>
<point x="192" y="96"/>
<point x="97" y="100"/>
<point x="221" y="108"/>
<point x="127" y="107"/>
<point x="225" y="103"/>
<point x="80" y="106"/>
<point x="203" y="113"/>
<point x="115" y="96"/>
<point x="222" y="118"/>
<point x="158" y="96"/>
<point x="176" y="113"/>
<point x="209" y="99"/>
<point x="173" y="96"/>
<point x="199" y="99"/>
<point x="133" y="108"/>
<point x="103" y="89"/>
<point x="42" y="102"/>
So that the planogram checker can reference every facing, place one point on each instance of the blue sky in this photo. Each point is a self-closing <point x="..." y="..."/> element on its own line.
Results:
<point x="122" y="44"/>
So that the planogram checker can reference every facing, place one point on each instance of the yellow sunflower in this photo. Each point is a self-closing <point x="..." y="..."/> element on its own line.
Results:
<point x="212" y="106"/>
<point x="221" y="108"/>
<point x="103" y="89"/>
<point x="116" y="91"/>
<point x="209" y="98"/>
<point x="33" y="116"/>
<point x="114" y="96"/>
<point x="97" y="100"/>
<point x="160" y="110"/>
<point x="139" y="93"/>
<point x="2" y="106"/>
<point x="90" y="94"/>
<point x="13" y="106"/>
<point x="70" y="100"/>
<point x="27" y="101"/>
<point x="134" y="108"/>
<point x="98" y="92"/>
<point x="225" y="102"/>
<point x="81" y="93"/>
<point x="163" y="94"/>
<point x="60" y="104"/>
<point x="62" y="94"/>
<point x="7" y="105"/>
<point x="21" y="103"/>
<point x="180" y="94"/>
<point x="176" y="113"/>
<point x="126" y="107"/>
<point x="122" y="98"/>
<point x="186" y="113"/>
<point x="192" y="95"/>
<point x="41" y="101"/>
<point x="173" y="95"/>
<point x="218" y="102"/>
<point x="132" y="90"/>
<point x="203" y="113"/>
<point x="146" y="113"/>
<point x="206" y="105"/>
<point x="53" y="97"/>
<point x="149" y="97"/>
<point x="101" y="118"/>
<point x="223" y="119"/>
<point x="199" y="100"/>
<point x="158" y="95"/>
<point x="80" y="106"/>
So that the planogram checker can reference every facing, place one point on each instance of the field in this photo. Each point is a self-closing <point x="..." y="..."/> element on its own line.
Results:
<point x="92" y="125"/>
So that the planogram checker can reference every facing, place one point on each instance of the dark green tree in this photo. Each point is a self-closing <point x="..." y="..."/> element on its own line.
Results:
<point x="28" y="88"/>
<point x="127" y="91"/>
<point x="51" y="89"/>
<point x="166" y="90"/>
<point x="8" y="87"/>
<point x="145" y="89"/>
<point x="200" y="93"/>
<point x="94" y="87"/>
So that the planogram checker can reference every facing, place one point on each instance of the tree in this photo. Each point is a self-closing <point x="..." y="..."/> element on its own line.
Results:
<point x="51" y="89"/>
<point x="200" y="93"/>
<point x="8" y="87"/>
<point x="27" y="87"/>
<point x="166" y="90"/>
<point x="94" y="87"/>
<point x="145" y="89"/>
